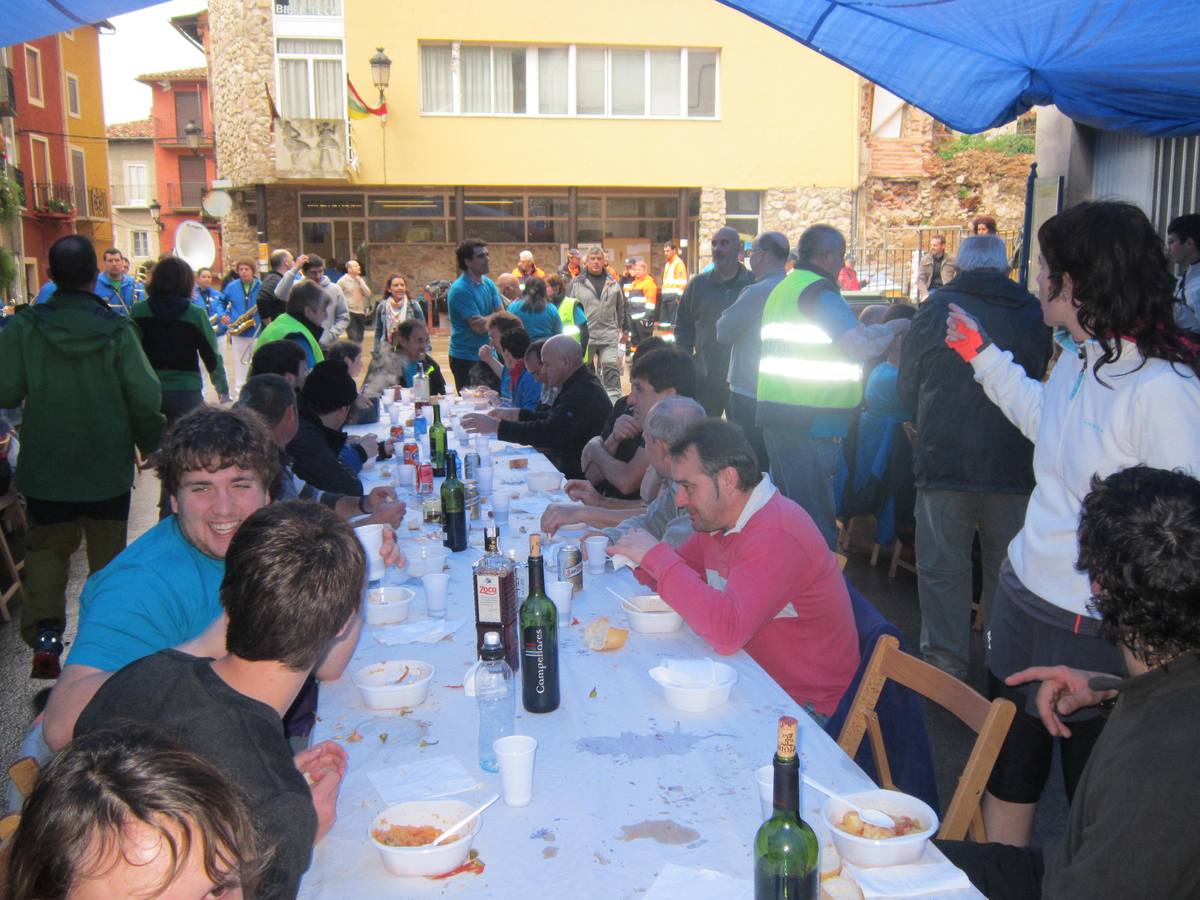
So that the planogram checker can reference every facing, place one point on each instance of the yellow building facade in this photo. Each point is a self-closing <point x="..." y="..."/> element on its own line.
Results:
<point x="87" y="150"/>
<point x="541" y="125"/>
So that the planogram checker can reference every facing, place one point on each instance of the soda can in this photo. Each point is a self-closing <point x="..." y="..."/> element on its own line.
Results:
<point x="412" y="453"/>
<point x="420" y="426"/>
<point x="397" y="432"/>
<point x="471" y="467"/>
<point x="425" y="478"/>
<point x="570" y="566"/>
<point x="471" y="499"/>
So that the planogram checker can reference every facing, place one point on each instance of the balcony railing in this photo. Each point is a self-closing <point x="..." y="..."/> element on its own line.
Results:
<point x="97" y="203"/>
<point x="185" y="195"/>
<point x="130" y="194"/>
<point x="54" y="198"/>
<point x="171" y="133"/>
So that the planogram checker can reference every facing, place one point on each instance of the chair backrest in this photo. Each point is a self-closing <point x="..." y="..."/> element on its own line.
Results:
<point x="24" y="775"/>
<point x="899" y="711"/>
<point x="990" y="721"/>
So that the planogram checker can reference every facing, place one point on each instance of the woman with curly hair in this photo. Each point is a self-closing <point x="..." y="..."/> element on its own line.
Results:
<point x="1125" y="392"/>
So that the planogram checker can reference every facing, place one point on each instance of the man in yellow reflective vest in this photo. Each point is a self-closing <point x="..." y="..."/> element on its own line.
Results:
<point x="674" y="280"/>
<point x="810" y="373"/>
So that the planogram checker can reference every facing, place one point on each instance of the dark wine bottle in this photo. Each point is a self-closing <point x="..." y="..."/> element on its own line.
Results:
<point x="454" y="507"/>
<point x="437" y="443"/>
<point x="539" y="639"/>
<point x="785" y="848"/>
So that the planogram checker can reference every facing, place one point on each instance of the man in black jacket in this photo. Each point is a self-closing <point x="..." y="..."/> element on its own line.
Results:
<point x="269" y="306"/>
<point x="577" y="415"/>
<point x="325" y="401"/>
<point x="974" y="469"/>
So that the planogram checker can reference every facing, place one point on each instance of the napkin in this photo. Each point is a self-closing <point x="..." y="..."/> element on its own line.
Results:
<point x="909" y="881"/>
<point x="422" y="779"/>
<point x="689" y="672"/>
<point x="621" y="561"/>
<point x="425" y="631"/>
<point x="686" y="883"/>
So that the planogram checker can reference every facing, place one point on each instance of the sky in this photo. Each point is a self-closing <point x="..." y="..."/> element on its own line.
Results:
<point x="144" y="42"/>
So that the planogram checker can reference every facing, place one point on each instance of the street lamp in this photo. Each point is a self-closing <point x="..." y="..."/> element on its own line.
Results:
<point x="191" y="133"/>
<point x="155" y="212"/>
<point x="381" y="74"/>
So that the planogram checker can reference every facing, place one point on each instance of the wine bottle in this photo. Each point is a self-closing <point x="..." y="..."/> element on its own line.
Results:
<point x="437" y="443"/>
<point x="785" y="848"/>
<point x="454" y="508"/>
<point x="539" y="639"/>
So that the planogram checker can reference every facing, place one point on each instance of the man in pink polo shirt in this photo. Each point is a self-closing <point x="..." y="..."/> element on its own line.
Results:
<point x="756" y="574"/>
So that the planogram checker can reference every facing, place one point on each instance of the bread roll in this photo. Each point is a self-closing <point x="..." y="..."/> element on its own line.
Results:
<point x="840" y="888"/>
<point x="831" y="861"/>
<point x="599" y="635"/>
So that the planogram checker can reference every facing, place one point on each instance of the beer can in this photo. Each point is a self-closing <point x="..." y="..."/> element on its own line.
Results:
<point x="471" y="500"/>
<point x="424" y="478"/>
<point x="570" y="566"/>
<point x="521" y="572"/>
<point x="471" y="467"/>
<point x="412" y="453"/>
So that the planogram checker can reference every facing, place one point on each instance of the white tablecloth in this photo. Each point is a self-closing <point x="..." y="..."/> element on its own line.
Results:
<point x="624" y="785"/>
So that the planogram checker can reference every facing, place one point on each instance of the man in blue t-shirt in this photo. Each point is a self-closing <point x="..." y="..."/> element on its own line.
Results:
<point x="472" y="298"/>
<point x="114" y="286"/>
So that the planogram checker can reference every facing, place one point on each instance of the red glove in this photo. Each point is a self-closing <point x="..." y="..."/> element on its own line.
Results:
<point x="968" y="343"/>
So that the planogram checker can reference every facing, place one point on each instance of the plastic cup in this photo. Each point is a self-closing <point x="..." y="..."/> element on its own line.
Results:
<point x="560" y="592"/>
<point x="427" y="413"/>
<point x="596" y="557"/>
<point x="515" y="754"/>
<point x="500" y="501"/>
<point x="484" y="475"/>
<point x="394" y="413"/>
<point x="405" y="395"/>
<point x="371" y="538"/>
<point x="765" y="777"/>
<point x="435" y="593"/>
<point x="406" y="476"/>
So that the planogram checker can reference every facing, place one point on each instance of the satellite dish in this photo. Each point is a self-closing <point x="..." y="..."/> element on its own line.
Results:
<point x="217" y="204"/>
<point x="194" y="245"/>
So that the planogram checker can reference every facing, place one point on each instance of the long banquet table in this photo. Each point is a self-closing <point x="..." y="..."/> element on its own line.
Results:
<point x="626" y="789"/>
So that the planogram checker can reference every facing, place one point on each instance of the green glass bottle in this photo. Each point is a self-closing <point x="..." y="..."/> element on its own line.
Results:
<point x="454" y="507"/>
<point x="437" y="443"/>
<point x="785" y="849"/>
<point x="539" y="639"/>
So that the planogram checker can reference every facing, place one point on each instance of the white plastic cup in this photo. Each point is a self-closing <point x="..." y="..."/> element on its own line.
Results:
<point x="436" y="584"/>
<point x="484" y="475"/>
<point x="406" y="476"/>
<point x="427" y="413"/>
<point x="515" y="754"/>
<point x="596" y="557"/>
<point x="394" y="413"/>
<point x="371" y="538"/>
<point x="560" y="593"/>
<point x="500" y="501"/>
<point x="406" y="395"/>
<point x="765" y="777"/>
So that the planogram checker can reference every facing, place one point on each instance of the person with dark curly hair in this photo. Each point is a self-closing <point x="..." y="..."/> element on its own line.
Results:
<point x="1125" y="392"/>
<point x="1128" y="831"/>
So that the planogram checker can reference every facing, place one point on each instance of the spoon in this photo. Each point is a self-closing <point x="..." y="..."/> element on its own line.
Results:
<point x="458" y="826"/>
<point x="870" y="816"/>
<point x="620" y="597"/>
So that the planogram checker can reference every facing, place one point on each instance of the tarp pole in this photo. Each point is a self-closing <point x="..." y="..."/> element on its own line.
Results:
<point x="1027" y="227"/>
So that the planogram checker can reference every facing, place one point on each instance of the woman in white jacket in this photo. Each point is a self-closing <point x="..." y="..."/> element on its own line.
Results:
<point x="1126" y="391"/>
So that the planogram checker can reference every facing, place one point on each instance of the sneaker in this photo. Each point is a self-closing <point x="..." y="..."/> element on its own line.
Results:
<point x="46" y="652"/>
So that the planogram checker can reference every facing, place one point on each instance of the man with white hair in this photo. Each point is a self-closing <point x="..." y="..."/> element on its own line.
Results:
<point x="974" y="469"/>
<point x="358" y="294"/>
<point x="527" y="268"/>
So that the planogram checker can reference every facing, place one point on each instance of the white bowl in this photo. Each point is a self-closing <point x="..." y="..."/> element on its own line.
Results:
<point x="424" y="558"/>
<point x="427" y="860"/>
<point x="649" y="614"/>
<point x="700" y="698"/>
<point x="388" y="605"/>
<point x="869" y="852"/>
<point x="381" y="687"/>
<point x="544" y="481"/>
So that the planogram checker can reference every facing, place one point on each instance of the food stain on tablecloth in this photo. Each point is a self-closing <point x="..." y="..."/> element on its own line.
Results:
<point x="628" y="746"/>
<point x="664" y="831"/>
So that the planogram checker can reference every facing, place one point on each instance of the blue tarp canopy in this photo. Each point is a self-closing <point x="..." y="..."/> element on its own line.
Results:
<point x="1117" y="65"/>
<point x="25" y="20"/>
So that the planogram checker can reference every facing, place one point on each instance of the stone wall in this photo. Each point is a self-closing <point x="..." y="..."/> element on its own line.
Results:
<point x="238" y="236"/>
<point x="423" y="263"/>
<point x="241" y="63"/>
<point x="786" y="209"/>
<point x="712" y="218"/>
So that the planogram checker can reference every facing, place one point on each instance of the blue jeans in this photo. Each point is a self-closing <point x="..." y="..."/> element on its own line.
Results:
<point x="802" y="468"/>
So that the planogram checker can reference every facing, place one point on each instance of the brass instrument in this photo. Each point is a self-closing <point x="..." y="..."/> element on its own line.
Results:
<point x="244" y="322"/>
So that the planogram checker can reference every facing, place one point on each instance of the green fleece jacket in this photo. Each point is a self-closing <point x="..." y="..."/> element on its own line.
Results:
<point x="89" y="396"/>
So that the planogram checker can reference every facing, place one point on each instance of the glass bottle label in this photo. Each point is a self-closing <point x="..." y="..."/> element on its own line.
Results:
<point x="487" y="598"/>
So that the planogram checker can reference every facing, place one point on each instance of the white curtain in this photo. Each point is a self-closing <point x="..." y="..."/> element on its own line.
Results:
<point x="552" y="81"/>
<point x="437" y="95"/>
<point x="664" y="83"/>
<point x="476" y="79"/>
<point x="294" y="101"/>
<point x="702" y="83"/>
<point x="589" y="81"/>
<point x="293" y="88"/>
<point x="504" y="81"/>
<point x="329" y="87"/>
<point x="628" y="82"/>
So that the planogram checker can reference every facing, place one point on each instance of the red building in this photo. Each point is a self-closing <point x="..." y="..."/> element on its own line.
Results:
<point x="184" y="158"/>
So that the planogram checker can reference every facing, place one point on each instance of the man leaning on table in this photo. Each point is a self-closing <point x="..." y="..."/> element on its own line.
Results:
<point x="1129" y="832"/>
<point x="757" y="573"/>
<point x="163" y="590"/>
<point x="289" y="563"/>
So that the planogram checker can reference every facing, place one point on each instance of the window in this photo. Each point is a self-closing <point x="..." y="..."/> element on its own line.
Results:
<point x="33" y="76"/>
<point x="188" y="108"/>
<point x="141" y="243"/>
<point x="137" y="188"/>
<point x="309" y="8"/>
<point x="79" y="181"/>
<point x="479" y="79"/>
<point x="311" y="84"/>
<point x="742" y="212"/>
<point x="73" y="95"/>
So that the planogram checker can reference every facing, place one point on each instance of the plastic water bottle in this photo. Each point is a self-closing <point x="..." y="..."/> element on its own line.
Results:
<point x="497" y="699"/>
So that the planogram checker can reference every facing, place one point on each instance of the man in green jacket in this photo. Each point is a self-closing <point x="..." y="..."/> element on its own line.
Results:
<point x="90" y="396"/>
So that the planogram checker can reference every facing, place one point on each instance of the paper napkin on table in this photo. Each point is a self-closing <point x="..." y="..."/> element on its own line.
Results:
<point x="422" y="779"/>
<point x="621" y="561"/>
<point x="686" y="883"/>
<point x="425" y="631"/>
<point x="909" y="881"/>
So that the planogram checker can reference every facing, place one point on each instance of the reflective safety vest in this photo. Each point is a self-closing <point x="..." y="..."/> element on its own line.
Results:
<point x="566" y="312"/>
<point x="800" y="365"/>
<point x="282" y="326"/>
<point x="674" y="278"/>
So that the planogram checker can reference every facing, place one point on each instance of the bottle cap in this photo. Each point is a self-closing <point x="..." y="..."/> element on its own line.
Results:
<point x="491" y="639"/>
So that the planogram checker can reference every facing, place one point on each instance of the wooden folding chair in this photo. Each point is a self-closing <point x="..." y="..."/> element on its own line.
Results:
<point x="24" y="775"/>
<point x="10" y="510"/>
<point x="990" y="721"/>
